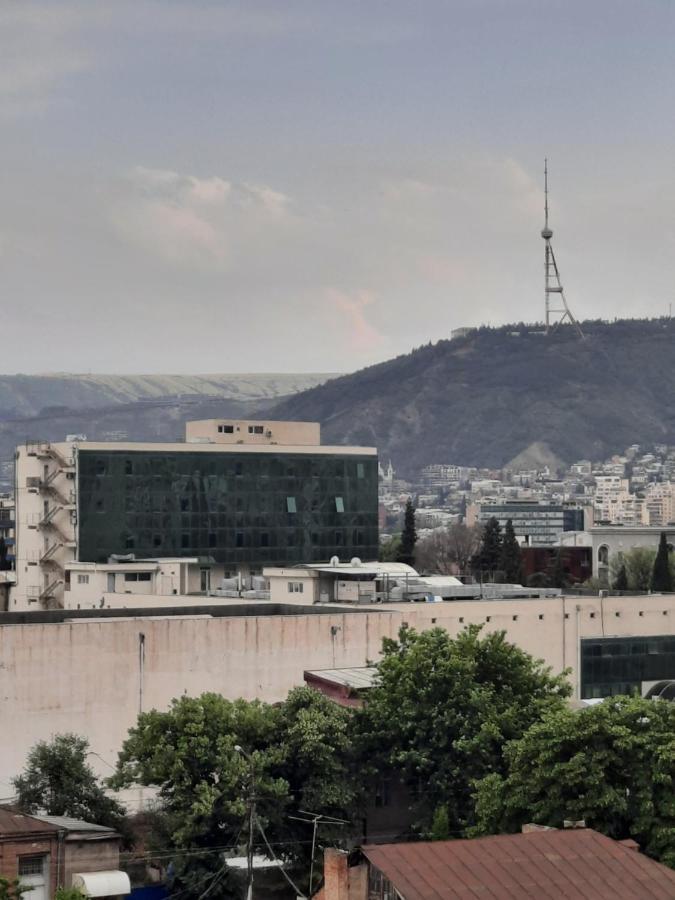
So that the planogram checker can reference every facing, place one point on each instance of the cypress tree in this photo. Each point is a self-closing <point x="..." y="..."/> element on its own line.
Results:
<point x="408" y="536"/>
<point x="510" y="561"/>
<point x="662" y="579"/>
<point x="621" y="581"/>
<point x="486" y="562"/>
<point x="558" y="576"/>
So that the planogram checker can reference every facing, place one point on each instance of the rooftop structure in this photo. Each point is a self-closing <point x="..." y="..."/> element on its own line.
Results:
<point x="571" y="864"/>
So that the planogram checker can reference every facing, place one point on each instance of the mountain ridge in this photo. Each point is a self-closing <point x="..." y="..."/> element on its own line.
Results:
<point x="484" y="398"/>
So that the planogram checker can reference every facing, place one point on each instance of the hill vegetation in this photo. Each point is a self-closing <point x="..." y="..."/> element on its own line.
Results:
<point x="498" y="393"/>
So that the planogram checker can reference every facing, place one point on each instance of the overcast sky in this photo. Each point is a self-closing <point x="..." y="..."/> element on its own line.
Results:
<point x="195" y="186"/>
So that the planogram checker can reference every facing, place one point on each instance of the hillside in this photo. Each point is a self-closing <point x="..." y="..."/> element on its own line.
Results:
<point x="30" y="395"/>
<point x="133" y="407"/>
<point x="486" y="398"/>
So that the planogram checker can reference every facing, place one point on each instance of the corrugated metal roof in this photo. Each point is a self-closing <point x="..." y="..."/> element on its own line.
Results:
<point x="358" y="677"/>
<point x="560" y="865"/>
<point x="15" y="823"/>
<point x="70" y="824"/>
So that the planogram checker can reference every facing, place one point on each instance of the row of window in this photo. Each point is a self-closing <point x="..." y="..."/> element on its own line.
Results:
<point x="212" y="539"/>
<point x="163" y="467"/>
<point x="186" y="504"/>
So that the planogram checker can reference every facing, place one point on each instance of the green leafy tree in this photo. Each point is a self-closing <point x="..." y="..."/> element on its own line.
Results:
<point x="510" y="559"/>
<point x="297" y="757"/>
<point x="639" y="566"/>
<point x="390" y="550"/>
<point x="64" y="893"/>
<point x="444" y="707"/>
<point x="662" y="579"/>
<point x="487" y="560"/>
<point x="612" y="765"/>
<point x="408" y="535"/>
<point x="12" y="889"/>
<point x="440" y="825"/>
<point x="59" y="780"/>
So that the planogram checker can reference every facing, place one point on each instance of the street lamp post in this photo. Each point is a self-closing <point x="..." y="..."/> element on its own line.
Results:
<point x="251" y="820"/>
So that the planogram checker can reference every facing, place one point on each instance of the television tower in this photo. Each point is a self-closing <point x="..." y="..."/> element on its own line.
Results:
<point x="552" y="284"/>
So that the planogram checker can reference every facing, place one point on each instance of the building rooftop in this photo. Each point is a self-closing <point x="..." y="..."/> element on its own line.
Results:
<point x="189" y="447"/>
<point x="13" y="822"/>
<point x="560" y="865"/>
<point x="357" y="678"/>
<point x="67" y="823"/>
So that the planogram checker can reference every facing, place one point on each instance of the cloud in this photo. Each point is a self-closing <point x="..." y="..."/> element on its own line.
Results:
<point x="361" y="335"/>
<point x="208" y="223"/>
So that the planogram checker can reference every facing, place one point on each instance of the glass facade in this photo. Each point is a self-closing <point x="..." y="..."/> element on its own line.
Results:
<point x="239" y="508"/>
<point x="612" y="666"/>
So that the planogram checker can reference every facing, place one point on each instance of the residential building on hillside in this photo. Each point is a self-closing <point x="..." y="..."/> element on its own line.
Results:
<point x="235" y="500"/>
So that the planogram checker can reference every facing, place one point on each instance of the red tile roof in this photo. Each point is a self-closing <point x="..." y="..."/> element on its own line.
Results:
<point x="547" y="865"/>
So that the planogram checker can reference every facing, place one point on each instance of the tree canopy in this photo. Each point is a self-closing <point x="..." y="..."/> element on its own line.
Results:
<point x="486" y="561"/>
<point x="297" y="757"/>
<point x="612" y="765"/>
<point x="59" y="780"/>
<point x="662" y="578"/>
<point x="510" y="558"/>
<point x="444" y="707"/>
<point x="408" y="535"/>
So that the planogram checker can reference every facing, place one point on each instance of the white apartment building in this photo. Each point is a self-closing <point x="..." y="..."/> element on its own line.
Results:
<point x="660" y="503"/>
<point x="615" y="504"/>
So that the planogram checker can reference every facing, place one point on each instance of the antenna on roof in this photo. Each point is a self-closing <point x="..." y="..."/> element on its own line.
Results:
<point x="552" y="283"/>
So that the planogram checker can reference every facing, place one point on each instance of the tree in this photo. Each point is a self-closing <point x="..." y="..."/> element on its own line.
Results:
<point x="391" y="549"/>
<point x="558" y="576"/>
<point x="510" y="559"/>
<point x="485" y="562"/>
<point x="612" y="765"/>
<point x="408" y="536"/>
<point x="639" y="567"/>
<point x="444" y="707"/>
<point x="297" y="757"/>
<point x="448" y="551"/>
<point x="662" y="579"/>
<point x="619" y="574"/>
<point x="12" y="889"/>
<point x="58" y="780"/>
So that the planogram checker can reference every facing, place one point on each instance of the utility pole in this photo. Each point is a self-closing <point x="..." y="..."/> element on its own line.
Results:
<point x="315" y="820"/>
<point x="251" y="820"/>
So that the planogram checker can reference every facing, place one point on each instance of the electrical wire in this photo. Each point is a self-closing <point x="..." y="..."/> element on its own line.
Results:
<point x="281" y="867"/>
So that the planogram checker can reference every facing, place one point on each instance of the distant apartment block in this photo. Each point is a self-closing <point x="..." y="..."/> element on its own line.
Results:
<point x="236" y="496"/>
<point x="535" y="524"/>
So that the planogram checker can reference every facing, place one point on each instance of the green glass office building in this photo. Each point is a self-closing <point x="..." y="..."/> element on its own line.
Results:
<point x="241" y="508"/>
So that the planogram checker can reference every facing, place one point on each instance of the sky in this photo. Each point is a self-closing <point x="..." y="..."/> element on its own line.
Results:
<point x="197" y="186"/>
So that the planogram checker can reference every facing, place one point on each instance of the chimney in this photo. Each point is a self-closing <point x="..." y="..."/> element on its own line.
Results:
<point x="335" y="874"/>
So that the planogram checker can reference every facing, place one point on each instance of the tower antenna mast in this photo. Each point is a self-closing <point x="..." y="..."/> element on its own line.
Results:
<point x="556" y="307"/>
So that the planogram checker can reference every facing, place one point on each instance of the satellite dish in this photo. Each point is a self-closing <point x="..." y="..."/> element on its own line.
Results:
<point x="335" y="561"/>
<point x="356" y="562"/>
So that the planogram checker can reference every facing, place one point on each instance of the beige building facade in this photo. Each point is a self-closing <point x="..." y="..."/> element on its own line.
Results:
<point x="249" y="431"/>
<point x="93" y="672"/>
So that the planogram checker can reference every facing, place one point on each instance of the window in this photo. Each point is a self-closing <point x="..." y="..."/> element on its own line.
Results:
<point x="99" y="505"/>
<point x="514" y="618"/>
<point x="541" y="616"/>
<point x="83" y="579"/>
<point x="226" y="429"/>
<point x="184" y="541"/>
<point x="212" y="539"/>
<point x="128" y="467"/>
<point x="291" y="506"/>
<point x="360" y="470"/>
<point x="157" y="540"/>
<point x="184" y="504"/>
<point x="383" y="792"/>
<point x="256" y="429"/>
<point x="339" y="505"/>
<point x="295" y="587"/>
<point x="129" y="543"/>
<point x="137" y="576"/>
<point x="31" y="865"/>
<point x="99" y="468"/>
<point x="239" y="539"/>
<point x="264" y="539"/>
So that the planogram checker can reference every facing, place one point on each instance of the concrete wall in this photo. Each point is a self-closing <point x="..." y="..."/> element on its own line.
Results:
<point x="294" y="433"/>
<point x="85" y="675"/>
<point x="621" y="538"/>
<point x="89" y="856"/>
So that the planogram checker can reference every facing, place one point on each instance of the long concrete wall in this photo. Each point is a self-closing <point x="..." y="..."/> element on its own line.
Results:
<point x="92" y="677"/>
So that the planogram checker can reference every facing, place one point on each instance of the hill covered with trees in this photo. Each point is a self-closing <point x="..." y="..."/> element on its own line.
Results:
<point x="498" y="393"/>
